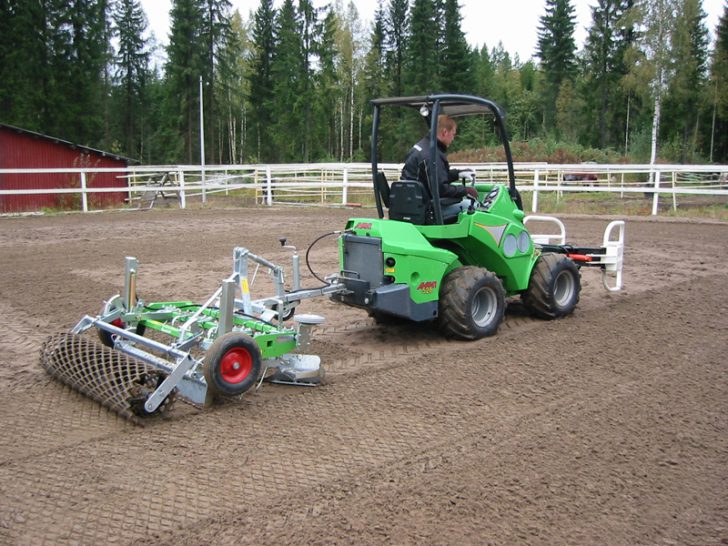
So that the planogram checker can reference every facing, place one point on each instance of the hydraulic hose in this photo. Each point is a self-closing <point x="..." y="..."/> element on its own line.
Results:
<point x="308" y="252"/>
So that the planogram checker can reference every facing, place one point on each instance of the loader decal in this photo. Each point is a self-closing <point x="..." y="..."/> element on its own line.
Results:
<point x="427" y="287"/>
<point x="495" y="231"/>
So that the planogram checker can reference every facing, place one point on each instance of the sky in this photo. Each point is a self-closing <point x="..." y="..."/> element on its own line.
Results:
<point x="514" y="23"/>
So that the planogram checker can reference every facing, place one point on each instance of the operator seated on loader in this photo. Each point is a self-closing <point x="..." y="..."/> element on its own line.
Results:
<point x="415" y="168"/>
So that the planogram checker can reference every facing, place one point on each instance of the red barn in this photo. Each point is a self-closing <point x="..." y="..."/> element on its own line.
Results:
<point x="22" y="149"/>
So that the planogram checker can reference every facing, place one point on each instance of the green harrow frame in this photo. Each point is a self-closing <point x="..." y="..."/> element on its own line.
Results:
<point x="197" y="351"/>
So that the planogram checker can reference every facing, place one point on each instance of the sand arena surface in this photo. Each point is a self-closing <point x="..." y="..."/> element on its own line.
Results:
<point x="607" y="427"/>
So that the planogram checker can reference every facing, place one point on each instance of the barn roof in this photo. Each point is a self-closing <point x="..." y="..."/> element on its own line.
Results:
<point x="67" y="143"/>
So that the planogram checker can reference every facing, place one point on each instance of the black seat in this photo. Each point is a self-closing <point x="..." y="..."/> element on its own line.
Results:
<point x="408" y="202"/>
<point x="383" y="188"/>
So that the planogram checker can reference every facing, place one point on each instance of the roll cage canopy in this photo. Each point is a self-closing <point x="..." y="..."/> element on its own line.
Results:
<point x="430" y="107"/>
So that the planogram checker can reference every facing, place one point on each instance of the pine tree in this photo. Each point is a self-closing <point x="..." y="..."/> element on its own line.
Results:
<point x="183" y="70"/>
<point x="286" y="77"/>
<point x="456" y="69"/>
<point x="309" y="46"/>
<point x="24" y="57"/>
<point x="421" y="75"/>
<point x="328" y="87"/>
<point x="396" y="32"/>
<point x="261" y="97"/>
<point x="557" y="51"/>
<point x="78" y="43"/>
<point x="132" y="67"/>
<point x="688" y="84"/>
<point x="215" y="33"/>
<point x="719" y="99"/>
<point x="604" y="69"/>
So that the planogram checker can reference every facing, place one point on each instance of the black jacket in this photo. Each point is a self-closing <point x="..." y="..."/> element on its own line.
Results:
<point x="417" y="164"/>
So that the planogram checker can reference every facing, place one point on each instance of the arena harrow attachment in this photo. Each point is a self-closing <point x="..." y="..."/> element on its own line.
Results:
<point x="150" y="353"/>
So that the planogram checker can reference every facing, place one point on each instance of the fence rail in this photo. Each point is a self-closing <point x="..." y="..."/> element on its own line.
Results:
<point x="350" y="183"/>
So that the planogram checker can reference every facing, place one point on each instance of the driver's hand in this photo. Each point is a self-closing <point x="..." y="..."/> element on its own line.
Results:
<point x="471" y="192"/>
<point x="467" y="175"/>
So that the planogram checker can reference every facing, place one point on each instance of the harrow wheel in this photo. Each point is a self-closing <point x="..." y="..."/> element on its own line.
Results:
<point x="232" y="364"/>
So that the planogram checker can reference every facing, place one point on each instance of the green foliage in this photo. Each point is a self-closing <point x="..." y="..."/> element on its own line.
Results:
<point x="422" y="74"/>
<point x="131" y="75"/>
<point x="557" y="51"/>
<point x="718" y="98"/>
<point x="293" y="84"/>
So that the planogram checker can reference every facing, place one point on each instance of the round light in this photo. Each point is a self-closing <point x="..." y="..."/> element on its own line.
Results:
<point x="524" y="242"/>
<point x="510" y="244"/>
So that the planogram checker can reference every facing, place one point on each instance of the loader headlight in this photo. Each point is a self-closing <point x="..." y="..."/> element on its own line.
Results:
<point x="510" y="244"/>
<point x="524" y="242"/>
<point x="390" y="262"/>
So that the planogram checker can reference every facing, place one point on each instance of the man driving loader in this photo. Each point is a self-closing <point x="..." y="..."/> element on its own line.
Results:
<point x="415" y="166"/>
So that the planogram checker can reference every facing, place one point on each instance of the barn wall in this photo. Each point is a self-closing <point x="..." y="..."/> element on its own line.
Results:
<point x="26" y="151"/>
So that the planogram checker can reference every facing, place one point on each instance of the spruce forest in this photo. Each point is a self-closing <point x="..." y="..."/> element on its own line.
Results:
<point x="293" y="83"/>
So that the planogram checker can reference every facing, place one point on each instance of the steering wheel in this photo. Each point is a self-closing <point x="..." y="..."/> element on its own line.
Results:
<point x="490" y="198"/>
<point x="467" y="177"/>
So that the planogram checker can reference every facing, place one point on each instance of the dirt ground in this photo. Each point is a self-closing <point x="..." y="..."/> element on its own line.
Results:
<point x="607" y="427"/>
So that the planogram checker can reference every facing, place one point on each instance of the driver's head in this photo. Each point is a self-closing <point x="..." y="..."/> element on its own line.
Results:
<point x="446" y="129"/>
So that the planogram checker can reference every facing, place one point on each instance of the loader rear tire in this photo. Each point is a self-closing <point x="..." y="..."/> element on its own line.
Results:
<point x="232" y="364"/>
<point x="554" y="288"/>
<point x="472" y="303"/>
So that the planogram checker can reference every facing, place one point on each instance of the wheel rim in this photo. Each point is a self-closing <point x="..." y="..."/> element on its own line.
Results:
<point x="563" y="288"/>
<point x="235" y="365"/>
<point x="485" y="306"/>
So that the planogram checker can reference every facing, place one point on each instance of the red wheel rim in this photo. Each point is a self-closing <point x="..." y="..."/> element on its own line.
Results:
<point x="235" y="365"/>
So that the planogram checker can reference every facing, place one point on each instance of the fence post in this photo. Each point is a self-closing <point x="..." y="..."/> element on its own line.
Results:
<point x="268" y="187"/>
<point x="84" y="196"/>
<point x="182" y="198"/>
<point x="656" y="195"/>
<point x="345" y="189"/>
<point x="130" y="182"/>
<point x="534" y="201"/>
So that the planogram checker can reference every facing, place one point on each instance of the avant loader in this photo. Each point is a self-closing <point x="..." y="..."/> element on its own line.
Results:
<point x="455" y="263"/>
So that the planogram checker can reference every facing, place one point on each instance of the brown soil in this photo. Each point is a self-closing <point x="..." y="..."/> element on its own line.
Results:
<point x="607" y="427"/>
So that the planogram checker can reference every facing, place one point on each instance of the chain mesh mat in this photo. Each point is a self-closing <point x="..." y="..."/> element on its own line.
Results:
<point x="115" y="380"/>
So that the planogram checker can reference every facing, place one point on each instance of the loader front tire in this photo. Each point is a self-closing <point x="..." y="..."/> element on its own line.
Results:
<point x="232" y="364"/>
<point x="554" y="288"/>
<point x="472" y="303"/>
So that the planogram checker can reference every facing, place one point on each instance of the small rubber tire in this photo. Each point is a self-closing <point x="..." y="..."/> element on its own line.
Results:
<point x="554" y="288"/>
<point x="232" y="364"/>
<point x="472" y="303"/>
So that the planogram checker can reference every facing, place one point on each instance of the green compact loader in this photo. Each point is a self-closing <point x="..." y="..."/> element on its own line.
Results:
<point x="457" y="261"/>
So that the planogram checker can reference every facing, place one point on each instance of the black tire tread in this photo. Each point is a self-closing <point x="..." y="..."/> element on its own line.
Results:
<point x="455" y="319"/>
<point x="539" y="297"/>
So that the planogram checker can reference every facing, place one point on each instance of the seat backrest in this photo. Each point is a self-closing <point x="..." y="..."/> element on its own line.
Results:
<point x="408" y="202"/>
<point x="383" y="188"/>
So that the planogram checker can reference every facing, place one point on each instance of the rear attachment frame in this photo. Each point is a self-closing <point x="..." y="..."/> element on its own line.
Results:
<point x="609" y="257"/>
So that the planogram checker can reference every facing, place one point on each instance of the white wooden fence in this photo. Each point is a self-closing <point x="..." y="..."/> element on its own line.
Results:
<point x="331" y="184"/>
